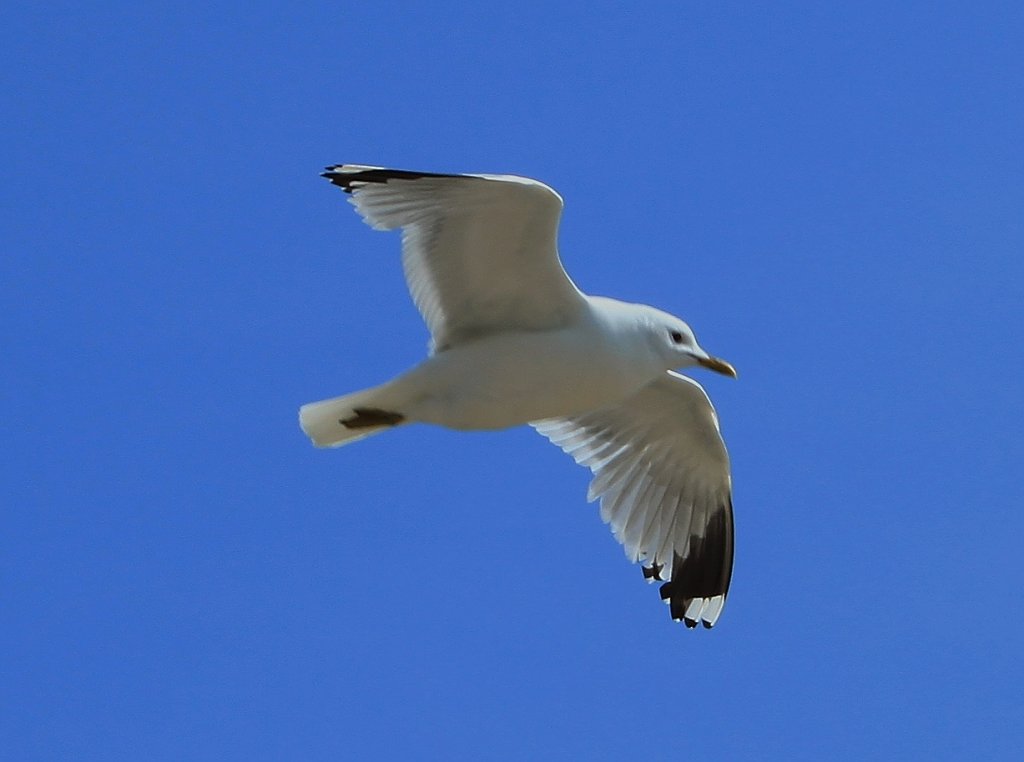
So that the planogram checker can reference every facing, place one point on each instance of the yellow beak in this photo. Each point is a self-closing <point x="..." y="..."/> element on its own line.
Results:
<point x="719" y="366"/>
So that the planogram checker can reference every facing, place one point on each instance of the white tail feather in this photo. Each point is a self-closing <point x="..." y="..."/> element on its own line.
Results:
<point x="322" y="420"/>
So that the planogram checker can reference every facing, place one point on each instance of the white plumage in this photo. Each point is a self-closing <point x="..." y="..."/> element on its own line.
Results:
<point x="514" y="342"/>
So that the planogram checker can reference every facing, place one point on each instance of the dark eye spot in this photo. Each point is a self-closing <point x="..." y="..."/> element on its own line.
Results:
<point x="677" y="337"/>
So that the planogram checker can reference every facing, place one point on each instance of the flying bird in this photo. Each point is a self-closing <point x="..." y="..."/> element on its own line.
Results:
<point x="514" y="341"/>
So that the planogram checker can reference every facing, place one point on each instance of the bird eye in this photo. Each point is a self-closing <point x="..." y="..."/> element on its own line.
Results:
<point x="677" y="337"/>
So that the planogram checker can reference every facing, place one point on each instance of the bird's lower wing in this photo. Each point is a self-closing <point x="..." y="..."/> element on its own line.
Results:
<point x="661" y="472"/>
<point x="479" y="251"/>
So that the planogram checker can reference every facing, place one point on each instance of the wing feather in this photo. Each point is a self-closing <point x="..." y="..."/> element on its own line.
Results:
<point x="661" y="472"/>
<point x="479" y="251"/>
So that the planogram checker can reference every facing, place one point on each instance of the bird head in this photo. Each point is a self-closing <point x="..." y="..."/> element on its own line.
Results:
<point x="678" y="345"/>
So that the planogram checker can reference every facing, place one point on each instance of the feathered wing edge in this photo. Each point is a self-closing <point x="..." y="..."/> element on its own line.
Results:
<point x="700" y="579"/>
<point x="479" y="252"/>
<point x="653" y="479"/>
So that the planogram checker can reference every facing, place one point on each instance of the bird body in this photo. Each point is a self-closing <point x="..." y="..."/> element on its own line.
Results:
<point x="515" y="342"/>
<point x="518" y="377"/>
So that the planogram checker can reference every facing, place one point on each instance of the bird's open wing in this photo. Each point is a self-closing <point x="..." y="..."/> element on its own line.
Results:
<point x="662" y="473"/>
<point x="479" y="251"/>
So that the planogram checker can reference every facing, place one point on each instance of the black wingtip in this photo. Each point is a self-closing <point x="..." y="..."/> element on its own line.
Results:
<point x="653" y="572"/>
<point x="354" y="177"/>
<point x="342" y="179"/>
<point x="704" y="572"/>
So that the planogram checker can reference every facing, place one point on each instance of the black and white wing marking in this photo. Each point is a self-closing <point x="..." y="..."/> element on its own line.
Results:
<point x="662" y="473"/>
<point x="479" y="251"/>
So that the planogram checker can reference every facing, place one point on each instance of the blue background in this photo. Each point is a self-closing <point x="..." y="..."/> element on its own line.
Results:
<point x="831" y="194"/>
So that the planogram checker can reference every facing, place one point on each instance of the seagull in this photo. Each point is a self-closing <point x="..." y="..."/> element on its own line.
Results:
<point x="514" y="341"/>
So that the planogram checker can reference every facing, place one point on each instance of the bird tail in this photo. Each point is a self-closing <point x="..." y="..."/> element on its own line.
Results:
<point x="338" y="421"/>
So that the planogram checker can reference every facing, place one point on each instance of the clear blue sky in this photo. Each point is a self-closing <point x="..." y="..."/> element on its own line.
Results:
<point x="831" y="194"/>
